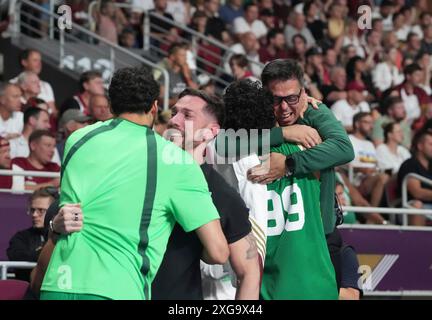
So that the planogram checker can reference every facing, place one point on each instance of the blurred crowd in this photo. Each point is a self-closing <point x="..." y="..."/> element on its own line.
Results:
<point x="377" y="82"/>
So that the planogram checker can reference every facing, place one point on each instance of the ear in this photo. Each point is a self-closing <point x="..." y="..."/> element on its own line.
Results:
<point x="215" y="128"/>
<point x="154" y="108"/>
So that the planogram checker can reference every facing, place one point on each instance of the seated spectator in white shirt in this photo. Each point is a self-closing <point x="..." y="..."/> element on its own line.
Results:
<point x="29" y="83"/>
<point x="34" y="119"/>
<point x="386" y="74"/>
<point x="180" y="10"/>
<point x="250" y="22"/>
<point x="248" y="46"/>
<point x="369" y="181"/>
<point x="345" y="109"/>
<point x="297" y="25"/>
<point x="11" y="117"/>
<point x="391" y="154"/>
<point x="31" y="60"/>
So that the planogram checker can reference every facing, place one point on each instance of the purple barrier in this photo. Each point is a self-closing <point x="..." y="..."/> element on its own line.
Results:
<point x="394" y="258"/>
<point x="13" y="218"/>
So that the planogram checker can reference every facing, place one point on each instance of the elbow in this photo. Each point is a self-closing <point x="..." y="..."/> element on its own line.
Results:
<point x="348" y="152"/>
<point x="219" y="254"/>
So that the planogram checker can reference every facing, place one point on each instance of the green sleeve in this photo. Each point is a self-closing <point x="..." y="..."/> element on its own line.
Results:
<point x="190" y="201"/>
<point x="378" y="132"/>
<point x="336" y="148"/>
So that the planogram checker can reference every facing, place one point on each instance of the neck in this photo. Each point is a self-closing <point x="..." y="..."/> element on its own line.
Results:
<point x="5" y="114"/>
<point x="392" y="145"/>
<point x="423" y="161"/>
<point x="35" y="162"/>
<point x="27" y="132"/>
<point x="145" y="119"/>
<point x="85" y="96"/>
<point x="359" y="135"/>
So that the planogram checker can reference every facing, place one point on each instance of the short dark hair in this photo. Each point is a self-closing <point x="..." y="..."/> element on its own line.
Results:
<point x="32" y="112"/>
<point x="419" y="138"/>
<point x="25" y="54"/>
<point x="214" y="104"/>
<point x="298" y="35"/>
<point x="282" y="69"/>
<point x="248" y="106"/>
<point x="411" y="35"/>
<point x="272" y="33"/>
<point x="240" y="60"/>
<point x="388" y="128"/>
<point x="41" y="193"/>
<point x="248" y="5"/>
<point x="411" y="68"/>
<point x="132" y="90"/>
<point x="87" y="76"/>
<point x="389" y="102"/>
<point x="174" y="47"/>
<point x="38" y="134"/>
<point x="358" y="117"/>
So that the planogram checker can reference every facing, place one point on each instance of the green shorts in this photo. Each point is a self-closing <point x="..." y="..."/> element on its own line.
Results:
<point x="53" y="295"/>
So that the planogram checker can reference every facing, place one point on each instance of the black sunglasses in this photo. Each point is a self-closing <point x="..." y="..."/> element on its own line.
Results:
<point x="291" y="99"/>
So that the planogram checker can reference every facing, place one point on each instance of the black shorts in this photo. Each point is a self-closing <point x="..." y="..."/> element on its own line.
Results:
<point x="334" y="244"/>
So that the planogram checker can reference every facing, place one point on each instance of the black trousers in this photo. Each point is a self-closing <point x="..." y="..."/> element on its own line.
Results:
<point x="334" y="244"/>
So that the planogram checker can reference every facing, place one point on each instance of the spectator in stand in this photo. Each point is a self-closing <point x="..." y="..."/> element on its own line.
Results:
<point x="215" y="26"/>
<point x="352" y="37"/>
<point x="71" y="121"/>
<point x="26" y="245"/>
<point x="127" y="38"/>
<point x="297" y="25"/>
<point x="314" y="24"/>
<point x="159" y="28"/>
<point x="275" y="48"/>
<point x="5" y="163"/>
<point x="413" y="46"/>
<point x="180" y="75"/>
<point x="393" y="111"/>
<point x="42" y="145"/>
<point x="314" y="67"/>
<point x="391" y="154"/>
<point x="11" y="117"/>
<point x="386" y="10"/>
<point x="99" y="108"/>
<point x="400" y="27"/>
<point x="180" y="10"/>
<point x="426" y="44"/>
<point x="425" y="62"/>
<point x="299" y="48"/>
<point x="330" y="60"/>
<point x="345" y="109"/>
<point x="386" y="74"/>
<point x="34" y="119"/>
<point x="240" y="67"/>
<point x="231" y="10"/>
<point x="31" y="60"/>
<point x="336" y="23"/>
<point x="425" y="19"/>
<point x="106" y="21"/>
<point x="358" y="76"/>
<point x="248" y="46"/>
<point x="373" y="48"/>
<point x="419" y="163"/>
<point x="90" y="83"/>
<point x="249" y="22"/>
<point x="30" y="86"/>
<point x="369" y="181"/>
<point x="415" y="98"/>
<point x="337" y="90"/>
<point x="267" y="16"/>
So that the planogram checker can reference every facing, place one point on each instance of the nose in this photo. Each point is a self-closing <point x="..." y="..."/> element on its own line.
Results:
<point x="284" y="105"/>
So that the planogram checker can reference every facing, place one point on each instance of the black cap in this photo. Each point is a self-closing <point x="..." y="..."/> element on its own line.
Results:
<point x="313" y="51"/>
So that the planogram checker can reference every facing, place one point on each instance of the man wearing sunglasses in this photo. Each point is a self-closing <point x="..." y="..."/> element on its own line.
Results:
<point x="26" y="245"/>
<point x="300" y="123"/>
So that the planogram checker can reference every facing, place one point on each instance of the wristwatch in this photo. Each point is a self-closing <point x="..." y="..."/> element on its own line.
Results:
<point x="289" y="166"/>
<point x="51" y="227"/>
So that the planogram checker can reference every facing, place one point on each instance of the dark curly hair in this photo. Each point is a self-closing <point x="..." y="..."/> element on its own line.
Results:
<point x="248" y="106"/>
<point x="132" y="90"/>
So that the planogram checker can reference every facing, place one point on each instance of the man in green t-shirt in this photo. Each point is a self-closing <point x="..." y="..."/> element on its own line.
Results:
<point x="133" y="186"/>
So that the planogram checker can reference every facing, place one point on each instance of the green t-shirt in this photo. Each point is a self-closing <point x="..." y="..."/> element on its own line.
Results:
<point x="133" y="185"/>
<point x="297" y="264"/>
